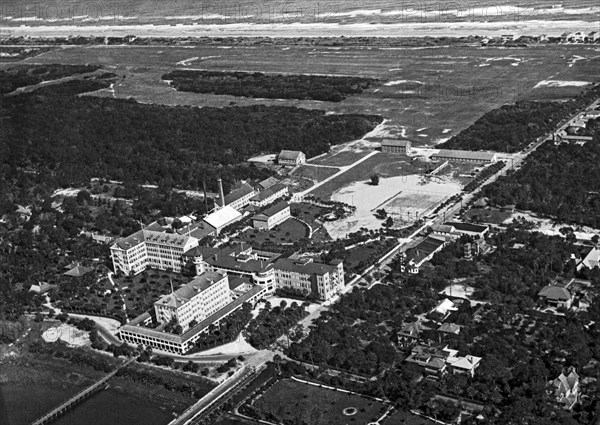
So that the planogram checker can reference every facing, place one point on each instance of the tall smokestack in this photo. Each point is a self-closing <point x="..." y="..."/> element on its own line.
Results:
<point x="221" y="191"/>
<point x="205" y="197"/>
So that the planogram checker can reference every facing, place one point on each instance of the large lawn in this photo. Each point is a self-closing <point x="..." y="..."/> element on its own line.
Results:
<point x="289" y="400"/>
<point x="287" y="232"/>
<point x="436" y="91"/>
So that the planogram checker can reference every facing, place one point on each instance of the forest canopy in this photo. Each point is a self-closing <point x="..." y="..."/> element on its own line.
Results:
<point x="559" y="181"/>
<point x="270" y="86"/>
<point x="512" y="127"/>
<point x="71" y="139"/>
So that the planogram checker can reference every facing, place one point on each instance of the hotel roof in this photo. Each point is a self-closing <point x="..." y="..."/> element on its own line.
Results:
<point x="304" y="268"/>
<point x="133" y="326"/>
<point x="190" y="289"/>
<point x="222" y="217"/>
<point x="267" y="193"/>
<point x="271" y="211"/>
<point x="236" y="194"/>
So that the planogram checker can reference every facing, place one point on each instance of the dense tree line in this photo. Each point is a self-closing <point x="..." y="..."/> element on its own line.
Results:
<point x="558" y="181"/>
<point x="68" y="139"/>
<point x="26" y="75"/>
<point x="271" y="323"/>
<point x="511" y="128"/>
<point x="270" y="86"/>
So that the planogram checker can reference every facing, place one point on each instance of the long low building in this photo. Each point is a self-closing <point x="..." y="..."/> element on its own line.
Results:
<point x="272" y="216"/>
<point x="270" y="195"/>
<point x="464" y="156"/>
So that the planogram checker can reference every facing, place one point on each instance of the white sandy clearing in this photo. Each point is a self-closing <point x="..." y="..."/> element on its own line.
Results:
<point x="68" y="334"/>
<point x="560" y="83"/>
<point x="446" y="130"/>
<point x="403" y="197"/>
<point x="457" y="290"/>
<point x="550" y="228"/>
<point x="187" y="62"/>
<point x="397" y="82"/>
<point x="237" y="347"/>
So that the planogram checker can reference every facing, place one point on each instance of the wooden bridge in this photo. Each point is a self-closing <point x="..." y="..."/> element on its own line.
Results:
<point x="70" y="403"/>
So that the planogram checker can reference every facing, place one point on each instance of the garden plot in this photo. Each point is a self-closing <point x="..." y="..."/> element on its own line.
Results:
<point x="404" y="198"/>
<point x="290" y="400"/>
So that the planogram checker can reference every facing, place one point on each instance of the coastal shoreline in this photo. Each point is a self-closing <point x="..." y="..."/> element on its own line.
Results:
<point x="292" y="30"/>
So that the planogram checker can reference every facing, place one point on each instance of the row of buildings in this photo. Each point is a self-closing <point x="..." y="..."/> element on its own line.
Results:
<point x="226" y="279"/>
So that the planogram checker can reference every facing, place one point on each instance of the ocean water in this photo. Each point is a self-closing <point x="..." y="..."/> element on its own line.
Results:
<point x="20" y="405"/>
<point x="135" y="12"/>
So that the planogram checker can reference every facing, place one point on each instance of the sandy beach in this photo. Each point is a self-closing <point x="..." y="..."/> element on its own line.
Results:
<point x="292" y="30"/>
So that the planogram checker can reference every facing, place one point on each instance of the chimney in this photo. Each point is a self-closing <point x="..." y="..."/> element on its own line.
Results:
<point x="205" y="197"/>
<point x="221" y="191"/>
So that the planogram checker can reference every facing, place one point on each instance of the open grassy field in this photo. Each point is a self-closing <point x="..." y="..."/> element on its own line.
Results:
<point x="287" y="232"/>
<point x="438" y="91"/>
<point x="289" y="399"/>
<point x="401" y="417"/>
<point x="383" y="164"/>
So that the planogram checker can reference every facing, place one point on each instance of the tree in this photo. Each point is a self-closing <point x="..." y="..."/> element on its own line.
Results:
<point x="389" y="222"/>
<point x="374" y="179"/>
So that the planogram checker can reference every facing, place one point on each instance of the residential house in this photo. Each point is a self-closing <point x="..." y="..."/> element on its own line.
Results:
<point x="272" y="216"/>
<point x="590" y="258"/>
<point x="566" y="388"/>
<point x="464" y="365"/>
<point x="593" y="37"/>
<point x="556" y="296"/>
<point x="436" y="361"/>
<point x="425" y="250"/>
<point x="566" y="36"/>
<point x="475" y="230"/>
<point x="78" y="271"/>
<point x="291" y="158"/>
<point x="578" y="37"/>
<point x="266" y="183"/>
<point x="409" y="333"/>
<point x="41" y="288"/>
<point x="507" y="37"/>
<point x="444" y="308"/>
<point x="449" y="328"/>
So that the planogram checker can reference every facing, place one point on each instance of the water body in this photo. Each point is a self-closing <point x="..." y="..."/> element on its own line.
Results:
<point x="20" y="405"/>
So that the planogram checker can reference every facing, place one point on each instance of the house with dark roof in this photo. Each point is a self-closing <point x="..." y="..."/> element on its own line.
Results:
<point x="424" y="251"/>
<point x="409" y="333"/>
<point x="395" y="146"/>
<point x="266" y="183"/>
<point x="475" y="230"/>
<point x="291" y="158"/>
<point x="272" y="216"/>
<point x="78" y="271"/>
<point x="556" y="296"/>
<point x="270" y="195"/>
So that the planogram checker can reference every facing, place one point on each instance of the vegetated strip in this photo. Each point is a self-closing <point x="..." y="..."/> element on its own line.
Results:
<point x="510" y="128"/>
<point x="67" y="139"/>
<point x="270" y="86"/>
<point x="27" y="75"/>
<point x="559" y="181"/>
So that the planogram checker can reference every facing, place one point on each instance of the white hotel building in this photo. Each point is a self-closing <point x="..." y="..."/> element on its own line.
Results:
<point x="196" y="300"/>
<point x="148" y="248"/>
